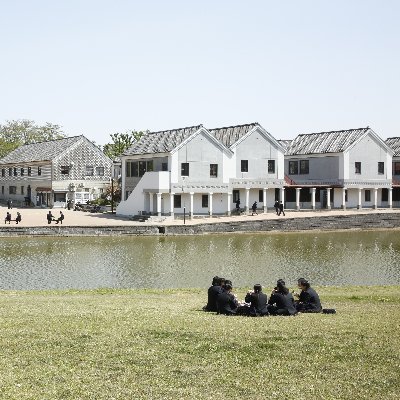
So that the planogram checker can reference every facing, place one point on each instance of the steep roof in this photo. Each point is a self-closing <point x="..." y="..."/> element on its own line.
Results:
<point x="285" y="143"/>
<point x="231" y="134"/>
<point x="325" y="142"/>
<point x="162" y="141"/>
<point x="394" y="144"/>
<point x="41" y="151"/>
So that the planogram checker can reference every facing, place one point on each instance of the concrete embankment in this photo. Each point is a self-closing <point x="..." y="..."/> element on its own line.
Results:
<point x="286" y="224"/>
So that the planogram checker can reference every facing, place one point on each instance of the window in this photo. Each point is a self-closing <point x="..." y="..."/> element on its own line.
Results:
<point x="204" y="200"/>
<point x="177" y="201"/>
<point x="244" y="166"/>
<point x="142" y="168"/>
<point x="185" y="169"/>
<point x="396" y="168"/>
<point x="293" y="168"/>
<point x="357" y="167"/>
<point x="22" y="190"/>
<point x="89" y="170"/>
<point x="260" y="196"/>
<point x="304" y="167"/>
<point x="22" y="172"/>
<point x="3" y="172"/>
<point x="367" y="195"/>
<point x="100" y="171"/>
<point x="149" y="166"/>
<point x="13" y="190"/>
<point x="235" y="196"/>
<point x="15" y="171"/>
<point x="164" y="166"/>
<point x="29" y="171"/>
<point x="64" y="169"/>
<point x="385" y="194"/>
<point x="9" y="171"/>
<point x="381" y="167"/>
<point x="213" y="170"/>
<point x="271" y="166"/>
<point x="39" y="171"/>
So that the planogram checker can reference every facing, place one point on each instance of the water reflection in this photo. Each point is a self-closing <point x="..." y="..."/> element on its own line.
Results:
<point x="331" y="258"/>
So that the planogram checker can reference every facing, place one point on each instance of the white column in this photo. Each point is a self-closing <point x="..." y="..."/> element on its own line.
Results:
<point x="210" y="198"/>
<point x="265" y="206"/>
<point x="313" y="198"/>
<point x="375" y="198"/>
<point x="151" y="202"/>
<point x="171" y="205"/>
<point x="247" y="199"/>
<point x="359" y="205"/>
<point x="390" y="194"/>
<point x="344" y="198"/>
<point x="298" y="199"/>
<point x="159" y="204"/>
<point x="191" y="204"/>
<point x="328" y="198"/>
<point x="283" y="196"/>
<point x="228" y="209"/>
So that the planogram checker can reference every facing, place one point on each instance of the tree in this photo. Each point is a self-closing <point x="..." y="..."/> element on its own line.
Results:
<point x="120" y="143"/>
<point x="14" y="134"/>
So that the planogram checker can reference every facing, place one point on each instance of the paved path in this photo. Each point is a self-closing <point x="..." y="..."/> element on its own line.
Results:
<point x="37" y="217"/>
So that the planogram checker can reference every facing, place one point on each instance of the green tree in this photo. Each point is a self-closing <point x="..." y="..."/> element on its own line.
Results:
<point x="15" y="133"/>
<point x="120" y="143"/>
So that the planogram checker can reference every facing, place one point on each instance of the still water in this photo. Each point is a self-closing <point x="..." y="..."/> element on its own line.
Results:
<point x="331" y="258"/>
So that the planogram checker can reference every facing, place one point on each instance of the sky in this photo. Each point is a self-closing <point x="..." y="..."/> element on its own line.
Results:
<point x="99" y="67"/>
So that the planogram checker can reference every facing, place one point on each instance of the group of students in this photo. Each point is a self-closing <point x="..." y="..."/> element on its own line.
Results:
<point x="256" y="303"/>
<point x="8" y="218"/>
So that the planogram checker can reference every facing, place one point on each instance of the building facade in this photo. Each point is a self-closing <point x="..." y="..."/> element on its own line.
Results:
<point x="394" y="144"/>
<point x="53" y="172"/>
<point x="201" y="171"/>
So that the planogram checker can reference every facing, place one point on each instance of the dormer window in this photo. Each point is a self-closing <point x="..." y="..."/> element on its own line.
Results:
<point x="65" y="169"/>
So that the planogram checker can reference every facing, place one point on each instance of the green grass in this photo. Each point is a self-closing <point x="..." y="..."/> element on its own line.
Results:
<point x="148" y="344"/>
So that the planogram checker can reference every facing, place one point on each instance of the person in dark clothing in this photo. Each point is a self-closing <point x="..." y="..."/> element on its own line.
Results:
<point x="281" y="211"/>
<point x="60" y="218"/>
<point x="276" y="206"/>
<point x="309" y="301"/>
<point x="18" y="218"/>
<point x="226" y="302"/>
<point x="213" y="292"/>
<point x="8" y="218"/>
<point x="258" y="302"/>
<point x="9" y="204"/>
<point x="254" y="208"/>
<point x="50" y="217"/>
<point x="238" y="206"/>
<point x="281" y="301"/>
<point x="69" y="204"/>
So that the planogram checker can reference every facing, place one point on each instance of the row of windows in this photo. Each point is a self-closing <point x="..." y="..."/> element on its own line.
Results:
<point x="302" y="167"/>
<point x="64" y="169"/>
<point x="244" y="166"/>
<point x="13" y="190"/>
<point x="139" y="168"/>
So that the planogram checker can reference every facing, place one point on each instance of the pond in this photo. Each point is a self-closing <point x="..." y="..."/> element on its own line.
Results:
<point x="325" y="258"/>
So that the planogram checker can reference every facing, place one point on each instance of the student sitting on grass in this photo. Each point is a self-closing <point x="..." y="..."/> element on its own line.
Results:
<point x="308" y="301"/>
<point x="281" y="301"/>
<point x="226" y="301"/>
<point x="258" y="302"/>
<point x="213" y="291"/>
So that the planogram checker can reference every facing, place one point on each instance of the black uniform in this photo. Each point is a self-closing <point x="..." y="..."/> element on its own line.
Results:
<point x="281" y="304"/>
<point x="309" y="301"/>
<point x="258" y="303"/>
<point x="227" y="304"/>
<point x="276" y="206"/>
<point x="213" y="292"/>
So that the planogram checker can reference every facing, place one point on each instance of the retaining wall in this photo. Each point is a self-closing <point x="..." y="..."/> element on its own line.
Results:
<point x="284" y="224"/>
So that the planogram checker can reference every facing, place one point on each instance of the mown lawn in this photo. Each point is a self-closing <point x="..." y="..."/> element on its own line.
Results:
<point x="141" y="344"/>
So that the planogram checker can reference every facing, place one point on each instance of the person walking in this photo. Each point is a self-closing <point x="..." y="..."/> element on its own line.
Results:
<point x="9" y="204"/>
<point x="254" y="208"/>
<point x="276" y="206"/>
<point x="238" y="206"/>
<point x="281" y="210"/>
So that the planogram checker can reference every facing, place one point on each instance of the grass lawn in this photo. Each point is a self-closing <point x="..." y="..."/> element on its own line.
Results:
<point x="142" y="344"/>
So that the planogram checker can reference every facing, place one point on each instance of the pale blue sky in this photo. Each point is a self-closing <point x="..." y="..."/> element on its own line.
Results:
<point x="99" y="67"/>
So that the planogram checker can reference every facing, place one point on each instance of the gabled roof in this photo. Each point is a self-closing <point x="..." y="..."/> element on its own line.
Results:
<point x="41" y="151"/>
<point x="162" y="141"/>
<point x="229" y="135"/>
<point x="325" y="142"/>
<point x="394" y="144"/>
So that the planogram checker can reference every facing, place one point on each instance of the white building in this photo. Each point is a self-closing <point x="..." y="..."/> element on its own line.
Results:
<point x="50" y="173"/>
<point x="394" y="144"/>
<point x="201" y="171"/>
<point x="350" y="168"/>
